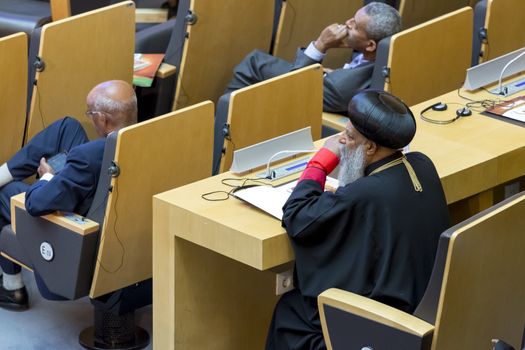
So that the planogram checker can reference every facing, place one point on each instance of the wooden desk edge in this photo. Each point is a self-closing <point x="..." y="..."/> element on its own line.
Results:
<point x="335" y="121"/>
<point x="260" y="261"/>
<point x="151" y="15"/>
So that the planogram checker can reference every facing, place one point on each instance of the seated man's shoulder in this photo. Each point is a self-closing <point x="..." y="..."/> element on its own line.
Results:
<point x="89" y="150"/>
<point x="419" y="157"/>
<point x="91" y="145"/>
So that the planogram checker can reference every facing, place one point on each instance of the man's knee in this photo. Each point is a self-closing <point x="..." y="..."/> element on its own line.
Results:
<point x="6" y="192"/>
<point x="71" y="132"/>
<point x="70" y="124"/>
<point x="66" y="125"/>
<point x="256" y="55"/>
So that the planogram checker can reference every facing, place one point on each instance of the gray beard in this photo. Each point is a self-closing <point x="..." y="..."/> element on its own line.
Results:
<point x="352" y="165"/>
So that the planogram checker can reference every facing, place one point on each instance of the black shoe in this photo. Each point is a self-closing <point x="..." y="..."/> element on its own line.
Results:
<point x="13" y="299"/>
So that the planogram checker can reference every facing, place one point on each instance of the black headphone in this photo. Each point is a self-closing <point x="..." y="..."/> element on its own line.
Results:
<point x="462" y="112"/>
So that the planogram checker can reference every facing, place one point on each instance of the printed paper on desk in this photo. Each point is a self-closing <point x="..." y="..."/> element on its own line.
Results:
<point x="271" y="199"/>
<point x="513" y="109"/>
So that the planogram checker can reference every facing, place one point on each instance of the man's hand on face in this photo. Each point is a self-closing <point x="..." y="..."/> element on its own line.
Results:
<point x="333" y="144"/>
<point x="332" y="36"/>
<point x="44" y="168"/>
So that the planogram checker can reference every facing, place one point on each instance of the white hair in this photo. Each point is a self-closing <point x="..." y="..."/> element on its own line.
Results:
<point x="384" y="20"/>
<point x="106" y="104"/>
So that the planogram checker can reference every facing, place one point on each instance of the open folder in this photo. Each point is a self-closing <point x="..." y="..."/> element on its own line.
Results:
<point x="271" y="199"/>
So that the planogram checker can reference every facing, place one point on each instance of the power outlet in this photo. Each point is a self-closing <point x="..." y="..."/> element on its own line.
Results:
<point x="284" y="282"/>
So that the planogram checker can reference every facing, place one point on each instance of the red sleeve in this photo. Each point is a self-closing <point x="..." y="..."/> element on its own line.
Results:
<point x="321" y="164"/>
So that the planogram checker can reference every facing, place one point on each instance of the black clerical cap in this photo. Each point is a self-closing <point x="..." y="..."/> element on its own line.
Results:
<point x="382" y="118"/>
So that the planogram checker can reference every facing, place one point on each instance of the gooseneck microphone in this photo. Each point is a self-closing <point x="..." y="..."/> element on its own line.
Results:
<point x="270" y="175"/>
<point x="503" y="91"/>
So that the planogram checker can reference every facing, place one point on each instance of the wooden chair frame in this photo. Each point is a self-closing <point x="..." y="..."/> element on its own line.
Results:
<point x="419" y="57"/>
<point x="237" y="27"/>
<point x="103" y="40"/>
<point x="503" y="17"/>
<point x="301" y="21"/>
<point x="415" y="12"/>
<point x="481" y="295"/>
<point x="172" y="162"/>
<point x="13" y="63"/>
<point x="274" y="107"/>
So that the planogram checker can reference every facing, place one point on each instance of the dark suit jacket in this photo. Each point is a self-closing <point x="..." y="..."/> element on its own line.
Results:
<point x="341" y="84"/>
<point x="73" y="188"/>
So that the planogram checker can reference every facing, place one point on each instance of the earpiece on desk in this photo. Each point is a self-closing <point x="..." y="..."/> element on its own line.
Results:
<point x="439" y="107"/>
<point x="463" y="112"/>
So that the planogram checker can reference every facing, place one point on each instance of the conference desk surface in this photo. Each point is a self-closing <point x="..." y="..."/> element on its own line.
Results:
<point x="213" y="287"/>
<point x="473" y="154"/>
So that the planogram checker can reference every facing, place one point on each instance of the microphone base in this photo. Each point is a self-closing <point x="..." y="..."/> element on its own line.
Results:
<point x="510" y="88"/>
<point x="278" y="172"/>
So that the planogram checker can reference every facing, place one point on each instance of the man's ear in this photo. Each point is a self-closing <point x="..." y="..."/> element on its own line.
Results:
<point x="371" y="148"/>
<point x="371" y="46"/>
<point x="104" y="122"/>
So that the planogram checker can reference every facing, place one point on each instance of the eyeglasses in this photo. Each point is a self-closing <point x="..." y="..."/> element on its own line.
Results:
<point x="91" y="114"/>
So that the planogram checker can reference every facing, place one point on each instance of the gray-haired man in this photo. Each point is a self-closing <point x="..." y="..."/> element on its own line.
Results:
<point x="361" y="33"/>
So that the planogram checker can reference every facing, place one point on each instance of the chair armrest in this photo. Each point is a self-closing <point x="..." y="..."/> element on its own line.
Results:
<point x="151" y="15"/>
<point x="334" y="121"/>
<point x="165" y="70"/>
<point x="73" y="222"/>
<point x="350" y="319"/>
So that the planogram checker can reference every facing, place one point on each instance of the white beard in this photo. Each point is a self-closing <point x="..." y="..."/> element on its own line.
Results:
<point x="352" y="165"/>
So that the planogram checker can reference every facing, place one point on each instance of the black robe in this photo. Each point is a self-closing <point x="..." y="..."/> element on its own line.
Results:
<point x="376" y="237"/>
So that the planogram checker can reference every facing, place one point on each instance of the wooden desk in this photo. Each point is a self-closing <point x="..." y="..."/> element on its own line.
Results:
<point x="212" y="261"/>
<point x="203" y="297"/>
<point x="474" y="154"/>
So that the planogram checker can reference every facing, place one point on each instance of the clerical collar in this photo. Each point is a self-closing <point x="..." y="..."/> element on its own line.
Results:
<point x="394" y="159"/>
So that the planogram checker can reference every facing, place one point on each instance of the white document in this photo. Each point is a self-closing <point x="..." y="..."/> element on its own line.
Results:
<point x="271" y="199"/>
<point x="517" y="112"/>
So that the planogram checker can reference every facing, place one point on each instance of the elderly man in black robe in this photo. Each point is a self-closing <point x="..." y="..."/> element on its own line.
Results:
<point x="377" y="235"/>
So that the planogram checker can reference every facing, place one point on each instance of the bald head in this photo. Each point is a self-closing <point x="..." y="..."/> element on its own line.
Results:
<point x="113" y="105"/>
